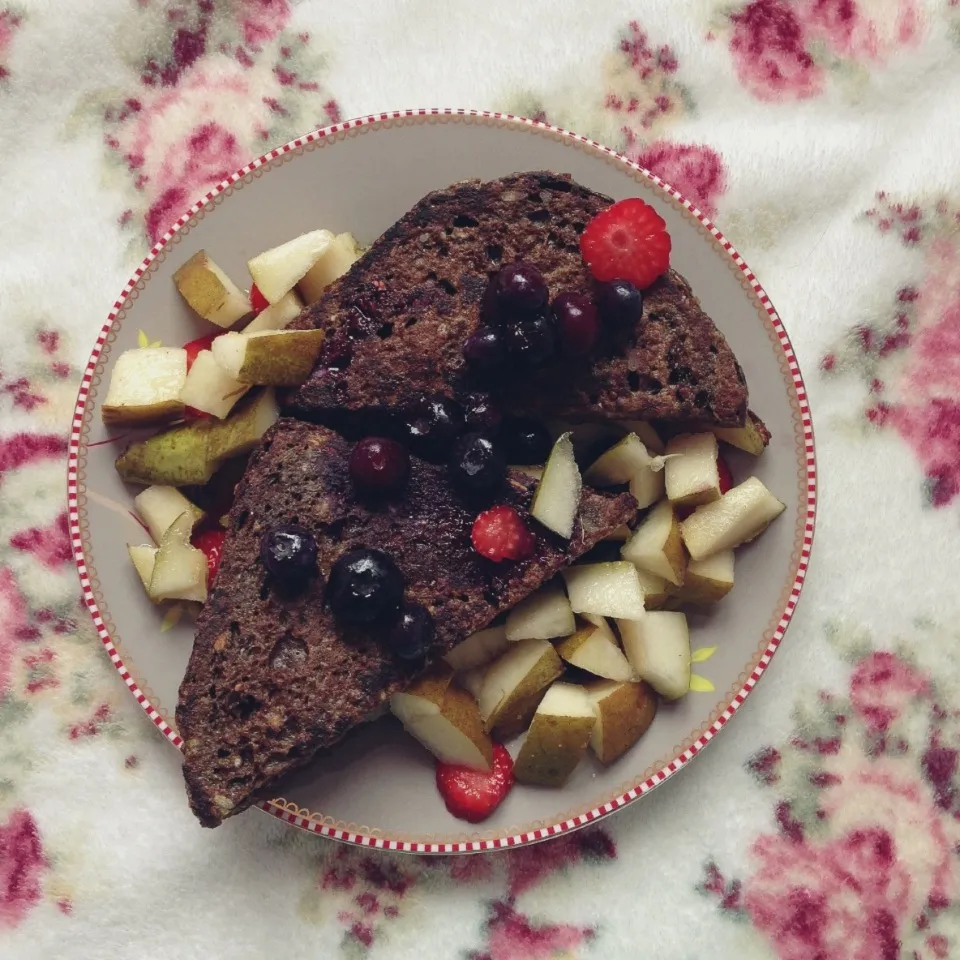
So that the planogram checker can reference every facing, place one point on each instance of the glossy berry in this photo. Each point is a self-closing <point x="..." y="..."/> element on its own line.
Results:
<point x="500" y="534"/>
<point x="480" y="413"/>
<point x="524" y="441"/>
<point x="477" y="465"/>
<point x="578" y="324"/>
<point x="530" y="341"/>
<point x="520" y="289"/>
<point x="412" y="633"/>
<point x="289" y="552"/>
<point x="726" y="477"/>
<point x="627" y="241"/>
<point x="257" y="300"/>
<point x="379" y="465"/>
<point x="472" y="795"/>
<point x="484" y="350"/>
<point x="210" y="543"/>
<point x="621" y="304"/>
<point x="432" y="426"/>
<point x="364" y="585"/>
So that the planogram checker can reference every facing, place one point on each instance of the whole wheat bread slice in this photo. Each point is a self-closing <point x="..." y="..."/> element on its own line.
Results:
<point x="396" y="322"/>
<point x="273" y="678"/>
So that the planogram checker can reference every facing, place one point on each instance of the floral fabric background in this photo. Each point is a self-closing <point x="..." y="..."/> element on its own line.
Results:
<point x="822" y="137"/>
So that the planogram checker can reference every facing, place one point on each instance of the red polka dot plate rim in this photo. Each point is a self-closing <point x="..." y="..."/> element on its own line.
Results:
<point x="360" y="176"/>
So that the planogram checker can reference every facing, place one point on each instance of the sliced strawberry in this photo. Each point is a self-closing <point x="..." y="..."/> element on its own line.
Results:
<point x="194" y="347"/>
<point x="257" y="300"/>
<point x="726" y="477"/>
<point x="210" y="541"/>
<point x="473" y="795"/>
<point x="500" y="534"/>
<point x="628" y="241"/>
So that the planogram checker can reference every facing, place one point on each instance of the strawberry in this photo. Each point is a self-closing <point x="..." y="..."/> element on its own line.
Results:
<point x="258" y="301"/>
<point x="210" y="542"/>
<point x="726" y="477"/>
<point x="193" y="348"/>
<point x="628" y="241"/>
<point x="196" y="346"/>
<point x="473" y="795"/>
<point x="500" y="534"/>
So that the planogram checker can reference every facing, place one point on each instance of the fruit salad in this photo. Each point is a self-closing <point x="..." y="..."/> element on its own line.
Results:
<point x="578" y="666"/>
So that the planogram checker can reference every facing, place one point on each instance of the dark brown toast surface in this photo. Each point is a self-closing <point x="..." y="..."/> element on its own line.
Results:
<point x="273" y="678"/>
<point x="396" y="322"/>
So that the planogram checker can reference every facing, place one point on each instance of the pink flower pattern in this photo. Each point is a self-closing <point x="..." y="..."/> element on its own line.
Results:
<point x="22" y="865"/>
<point x="10" y="23"/>
<point x="864" y="863"/>
<point x="784" y="49"/>
<point x="696" y="170"/>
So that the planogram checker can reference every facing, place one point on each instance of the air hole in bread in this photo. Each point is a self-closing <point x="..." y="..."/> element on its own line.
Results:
<point x="448" y="287"/>
<point x="410" y="321"/>
<point x="494" y="252"/>
<point x="242" y="518"/>
<point x="385" y="331"/>
<point x="538" y="216"/>
<point x="641" y="381"/>
<point x="682" y="375"/>
<point x="702" y="399"/>
<point x="462" y="220"/>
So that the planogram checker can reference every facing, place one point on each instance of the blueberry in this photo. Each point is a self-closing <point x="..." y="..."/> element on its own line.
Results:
<point x="521" y="288"/>
<point x="477" y="465"/>
<point x="432" y="426"/>
<point x="364" y="586"/>
<point x="481" y="414"/>
<point x="484" y="350"/>
<point x="621" y="303"/>
<point x="289" y="552"/>
<point x="530" y="340"/>
<point x="525" y="441"/>
<point x="413" y="632"/>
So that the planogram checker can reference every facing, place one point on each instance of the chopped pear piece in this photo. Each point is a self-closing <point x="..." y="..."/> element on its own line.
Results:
<point x="515" y="683"/>
<point x="624" y="713"/>
<point x="646" y="432"/>
<point x="647" y="486"/>
<point x="242" y="430"/>
<point x="740" y="515"/>
<point x="557" y="496"/>
<point x="210" y="292"/>
<point x="145" y="386"/>
<point x="282" y="358"/>
<point x="605" y="589"/>
<point x="587" y="438"/>
<point x="180" y="570"/>
<point x="753" y="437"/>
<point x="339" y="257"/>
<point x="557" y="738"/>
<point x="628" y="461"/>
<point x="143" y="557"/>
<point x="621" y="534"/>
<point x="277" y="271"/>
<point x="177" y="457"/>
<point x="658" y="648"/>
<point x="655" y="589"/>
<point x="209" y="387"/>
<point x="445" y="719"/>
<point x="478" y="649"/>
<point x="656" y="545"/>
<point x="707" y="581"/>
<point x="277" y="315"/>
<point x="472" y="680"/>
<point x="543" y="615"/>
<point x="159" y="506"/>
<point x="691" y="471"/>
<point x="189" y="454"/>
<point x="594" y="648"/>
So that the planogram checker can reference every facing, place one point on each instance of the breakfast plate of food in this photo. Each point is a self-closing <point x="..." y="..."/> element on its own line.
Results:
<point x="441" y="482"/>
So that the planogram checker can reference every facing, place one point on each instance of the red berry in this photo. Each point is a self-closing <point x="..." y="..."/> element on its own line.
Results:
<point x="257" y="300"/>
<point x="628" y="241"/>
<point x="210" y="541"/>
<point x="473" y="795"/>
<point x="726" y="477"/>
<point x="500" y="534"/>
<point x="379" y="465"/>
<point x="195" y="347"/>
<point x="578" y="324"/>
